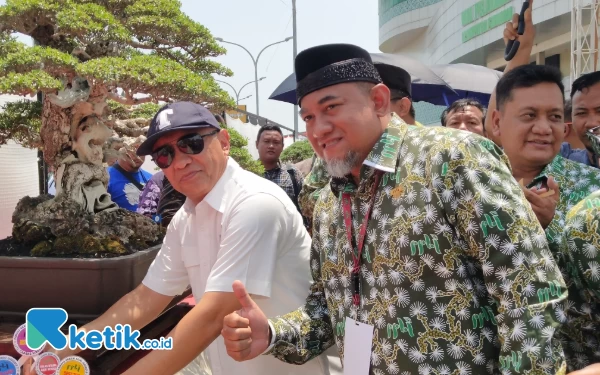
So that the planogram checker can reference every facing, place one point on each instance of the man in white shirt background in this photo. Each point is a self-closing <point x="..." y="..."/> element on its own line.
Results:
<point x="234" y="225"/>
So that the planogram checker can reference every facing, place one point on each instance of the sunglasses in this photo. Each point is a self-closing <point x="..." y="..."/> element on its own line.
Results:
<point x="190" y="144"/>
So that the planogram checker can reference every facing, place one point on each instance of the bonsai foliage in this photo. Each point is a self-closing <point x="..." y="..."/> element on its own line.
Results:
<point x="240" y="153"/>
<point x="147" y="46"/>
<point x="296" y="152"/>
<point x="120" y="47"/>
<point x="123" y="112"/>
<point x="21" y="122"/>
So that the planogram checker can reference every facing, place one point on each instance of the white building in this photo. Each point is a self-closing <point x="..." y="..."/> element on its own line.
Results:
<point x="470" y="31"/>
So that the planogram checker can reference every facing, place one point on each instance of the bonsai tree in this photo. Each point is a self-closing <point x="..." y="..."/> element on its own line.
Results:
<point x="296" y="152"/>
<point x="240" y="153"/>
<point x="87" y="54"/>
<point x="20" y="121"/>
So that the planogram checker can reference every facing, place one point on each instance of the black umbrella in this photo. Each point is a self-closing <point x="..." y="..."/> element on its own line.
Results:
<point x="419" y="72"/>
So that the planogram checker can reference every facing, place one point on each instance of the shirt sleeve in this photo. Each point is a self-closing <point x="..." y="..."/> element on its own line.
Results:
<point x="580" y="241"/>
<point x="314" y="182"/>
<point x="149" y="199"/>
<point x="253" y="235"/>
<point x="167" y="274"/>
<point x="299" y="178"/>
<point x="306" y="332"/>
<point x="521" y="276"/>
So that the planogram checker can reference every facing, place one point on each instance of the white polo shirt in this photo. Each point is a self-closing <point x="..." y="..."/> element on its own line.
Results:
<point x="246" y="229"/>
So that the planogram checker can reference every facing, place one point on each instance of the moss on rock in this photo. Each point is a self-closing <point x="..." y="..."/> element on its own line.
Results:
<point x="66" y="245"/>
<point x="41" y="249"/>
<point x="90" y="245"/>
<point x="113" y="246"/>
<point x="29" y="233"/>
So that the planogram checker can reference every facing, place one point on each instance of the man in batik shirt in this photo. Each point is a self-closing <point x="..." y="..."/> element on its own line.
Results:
<point x="399" y="82"/>
<point x="581" y="242"/>
<point x="529" y="121"/>
<point x="455" y="276"/>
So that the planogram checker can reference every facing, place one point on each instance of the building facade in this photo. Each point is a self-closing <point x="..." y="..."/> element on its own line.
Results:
<point x="470" y="31"/>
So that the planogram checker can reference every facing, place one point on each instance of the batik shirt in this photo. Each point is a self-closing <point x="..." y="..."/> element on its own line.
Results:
<point x="456" y="275"/>
<point x="316" y="179"/>
<point x="580" y="244"/>
<point x="575" y="181"/>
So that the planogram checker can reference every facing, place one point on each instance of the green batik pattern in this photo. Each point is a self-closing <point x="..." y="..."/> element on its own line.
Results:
<point x="580" y="244"/>
<point x="575" y="181"/>
<point x="457" y="277"/>
<point x="311" y="187"/>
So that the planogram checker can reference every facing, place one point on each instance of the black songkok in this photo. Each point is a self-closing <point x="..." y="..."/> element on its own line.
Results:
<point x="331" y="64"/>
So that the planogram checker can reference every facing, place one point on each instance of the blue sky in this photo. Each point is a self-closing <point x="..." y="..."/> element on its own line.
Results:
<point x="255" y="24"/>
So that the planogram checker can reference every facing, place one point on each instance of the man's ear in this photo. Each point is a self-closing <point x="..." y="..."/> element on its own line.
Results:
<point x="223" y="137"/>
<point x="405" y="105"/>
<point x="380" y="95"/>
<point x="496" y="123"/>
<point x="568" y="129"/>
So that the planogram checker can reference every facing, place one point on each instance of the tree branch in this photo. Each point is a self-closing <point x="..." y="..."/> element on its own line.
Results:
<point x="129" y="101"/>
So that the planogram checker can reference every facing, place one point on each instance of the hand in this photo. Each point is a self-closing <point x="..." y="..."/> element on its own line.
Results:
<point x="543" y="206"/>
<point x="246" y="332"/>
<point x="28" y="367"/>
<point x="590" y="370"/>
<point x="510" y="30"/>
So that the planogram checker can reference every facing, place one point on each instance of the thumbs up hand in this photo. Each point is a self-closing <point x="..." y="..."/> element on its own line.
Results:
<point x="246" y="332"/>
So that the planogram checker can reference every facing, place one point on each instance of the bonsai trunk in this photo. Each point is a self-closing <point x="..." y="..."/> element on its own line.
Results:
<point x="81" y="218"/>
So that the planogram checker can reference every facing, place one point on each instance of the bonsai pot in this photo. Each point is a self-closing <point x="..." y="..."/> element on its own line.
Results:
<point x="85" y="288"/>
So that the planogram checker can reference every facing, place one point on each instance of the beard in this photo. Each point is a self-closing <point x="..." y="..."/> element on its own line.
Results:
<point x="342" y="167"/>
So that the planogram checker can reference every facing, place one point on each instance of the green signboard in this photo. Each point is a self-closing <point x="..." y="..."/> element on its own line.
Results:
<point x="487" y="24"/>
<point x="480" y="9"/>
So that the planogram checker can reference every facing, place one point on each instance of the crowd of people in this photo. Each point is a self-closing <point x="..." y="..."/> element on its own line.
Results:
<point x="470" y="248"/>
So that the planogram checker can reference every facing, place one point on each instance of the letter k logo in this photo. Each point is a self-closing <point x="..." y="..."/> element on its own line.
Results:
<point x="43" y="325"/>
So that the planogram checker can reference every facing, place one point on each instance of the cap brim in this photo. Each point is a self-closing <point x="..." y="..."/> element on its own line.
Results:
<point x="147" y="146"/>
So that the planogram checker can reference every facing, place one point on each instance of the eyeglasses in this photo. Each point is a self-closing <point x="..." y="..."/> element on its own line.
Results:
<point x="190" y="144"/>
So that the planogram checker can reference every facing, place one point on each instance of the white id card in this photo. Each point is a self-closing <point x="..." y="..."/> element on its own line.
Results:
<point x="357" y="347"/>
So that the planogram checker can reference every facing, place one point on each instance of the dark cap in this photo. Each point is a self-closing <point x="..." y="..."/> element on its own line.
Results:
<point x="395" y="78"/>
<point x="176" y="116"/>
<point x="332" y="64"/>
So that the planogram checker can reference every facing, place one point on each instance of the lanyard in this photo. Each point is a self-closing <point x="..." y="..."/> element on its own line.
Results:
<point x="347" y="205"/>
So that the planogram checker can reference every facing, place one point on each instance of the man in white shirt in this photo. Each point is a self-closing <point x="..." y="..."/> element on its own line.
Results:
<point x="234" y="225"/>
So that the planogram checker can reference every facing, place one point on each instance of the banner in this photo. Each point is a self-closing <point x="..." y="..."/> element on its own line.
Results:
<point x="238" y="115"/>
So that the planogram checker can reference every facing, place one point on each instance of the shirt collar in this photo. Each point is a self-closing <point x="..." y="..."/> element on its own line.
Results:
<point x="383" y="155"/>
<point x="552" y="168"/>
<point x="216" y="198"/>
<point x="278" y="167"/>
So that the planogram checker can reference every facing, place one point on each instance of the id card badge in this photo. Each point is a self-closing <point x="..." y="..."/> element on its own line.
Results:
<point x="357" y="347"/>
